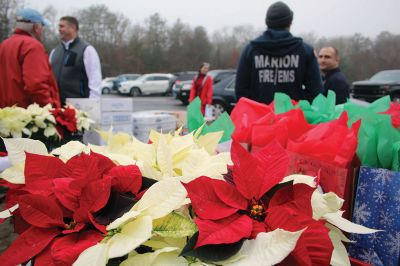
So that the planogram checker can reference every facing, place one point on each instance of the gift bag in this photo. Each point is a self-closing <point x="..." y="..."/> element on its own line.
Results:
<point x="339" y="180"/>
<point x="377" y="205"/>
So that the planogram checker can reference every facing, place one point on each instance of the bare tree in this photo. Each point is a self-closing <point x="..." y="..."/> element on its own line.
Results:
<point x="8" y="8"/>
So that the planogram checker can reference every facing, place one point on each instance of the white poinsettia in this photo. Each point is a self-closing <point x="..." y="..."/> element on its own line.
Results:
<point x="135" y="226"/>
<point x="41" y="116"/>
<point x="83" y="120"/>
<point x="16" y="149"/>
<point x="171" y="155"/>
<point x="13" y="122"/>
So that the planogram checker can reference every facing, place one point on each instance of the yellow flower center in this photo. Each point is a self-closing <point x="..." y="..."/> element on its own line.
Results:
<point x="257" y="210"/>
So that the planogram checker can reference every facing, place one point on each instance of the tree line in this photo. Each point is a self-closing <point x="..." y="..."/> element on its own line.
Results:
<point x="158" y="46"/>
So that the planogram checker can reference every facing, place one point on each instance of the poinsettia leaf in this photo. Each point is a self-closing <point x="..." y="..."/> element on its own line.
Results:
<point x="229" y="195"/>
<point x="174" y="225"/>
<point x="210" y="253"/>
<point x="314" y="244"/>
<point x="274" y="162"/>
<point x="65" y="250"/>
<point x="27" y="245"/>
<point x="98" y="226"/>
<point x="14" y="174"/>
<point x="40" y="211"/>
<point x="42" y="187"/>
<point x="130" y="237"/>
<point x="93" y="256"/>
<point x="126" y="178"/>
<point x="162" y="198"/>
<point x="20" y="225"/>
<point x="94" y="196"/>
<point x="206" y="201"/>
<point x="247" y="178"/>
<point x="104" y="163"/>
<point x="66" y="193"/>
<point x="258" y="227"/>
<point x="224" y="231"/>
<point x="278" y="195"/>
<point x="268" y="248"/>
<point x="41" y="167"/>
<point x="82" y="167"/>
<point x="44" y="257"/>
<point x="16" y="148"/>
<point x="117" y="205"/>
<point x="167" y="256"/>
<point x="164" y="157"/>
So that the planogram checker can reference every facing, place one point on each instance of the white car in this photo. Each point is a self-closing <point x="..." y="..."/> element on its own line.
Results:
<point x="146" y="84"/>
<point x="107" y="85"/>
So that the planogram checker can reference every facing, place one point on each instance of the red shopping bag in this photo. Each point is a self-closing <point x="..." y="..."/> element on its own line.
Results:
<point x="333" y="178"/>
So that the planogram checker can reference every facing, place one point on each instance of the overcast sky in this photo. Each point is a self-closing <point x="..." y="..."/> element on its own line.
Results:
<point x="323" y="17"/>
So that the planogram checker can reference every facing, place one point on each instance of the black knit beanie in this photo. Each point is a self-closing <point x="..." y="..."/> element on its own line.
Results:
<point x="279" y="16"/>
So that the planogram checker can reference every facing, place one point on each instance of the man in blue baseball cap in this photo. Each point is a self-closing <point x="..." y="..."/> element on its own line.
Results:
<point x="25" y="72"/>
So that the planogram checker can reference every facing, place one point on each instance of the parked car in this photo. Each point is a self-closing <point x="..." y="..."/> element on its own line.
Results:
<point x="386" y="82"/>
<point x="179" y="77"/>
<point x="107" y="85"/>
<point x="220" y="74"/>
<point x="156" y="83"/>
<point x="224" y="98"/>
<point x="182" y="89"/>
<point x="122" y="78"/>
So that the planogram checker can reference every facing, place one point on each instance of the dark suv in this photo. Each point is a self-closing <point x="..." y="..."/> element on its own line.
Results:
<point x="179" y="77"/>
<point x="386" y="82"/>
<point x="182" y="90"/>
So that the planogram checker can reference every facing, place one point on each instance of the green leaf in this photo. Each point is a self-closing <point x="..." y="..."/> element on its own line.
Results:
<point x="174" y="225"/>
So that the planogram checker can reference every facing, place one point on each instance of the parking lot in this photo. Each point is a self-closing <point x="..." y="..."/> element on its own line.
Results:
<point x="146" y="103"/>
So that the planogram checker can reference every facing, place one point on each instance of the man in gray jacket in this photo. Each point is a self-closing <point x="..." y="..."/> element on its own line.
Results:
<point x="75" y="63"/>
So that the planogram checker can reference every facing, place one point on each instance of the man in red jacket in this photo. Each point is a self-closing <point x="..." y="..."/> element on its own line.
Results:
<point x="25" y="73"/>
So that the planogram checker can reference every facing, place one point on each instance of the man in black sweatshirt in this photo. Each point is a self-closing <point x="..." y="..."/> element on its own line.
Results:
<point x="276" y="61"/>
<point x="328" y="59"/>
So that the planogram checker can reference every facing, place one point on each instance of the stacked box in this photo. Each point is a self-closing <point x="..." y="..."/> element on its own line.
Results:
<point x="144" y="122"/>
<point x="107" y="112"/>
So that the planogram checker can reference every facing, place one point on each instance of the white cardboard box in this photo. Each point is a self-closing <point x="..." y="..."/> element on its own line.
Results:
<point x="115" y="118"/>
<point x="91" y="106"/>
<point x="105" y="111"/>
<point x="116" y="104"/>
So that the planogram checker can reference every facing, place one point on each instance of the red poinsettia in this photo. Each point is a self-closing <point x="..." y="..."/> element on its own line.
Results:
<point x="59" y="203"/>
<point x="66" y="118"/>
<point x="228" y="212"/>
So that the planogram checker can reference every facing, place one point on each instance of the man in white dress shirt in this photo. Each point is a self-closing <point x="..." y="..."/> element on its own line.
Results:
<point x="75" y="63"/>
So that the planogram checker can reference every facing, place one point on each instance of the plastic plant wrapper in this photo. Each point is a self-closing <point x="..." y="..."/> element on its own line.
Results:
<point x="320" y="142"/>
<point x="245" y="113"/>
<point x="367" y="113"/>
<point x="322" y="109"/>
<point x="196" y="120"/>
<point x="394" y="112"/>
<point x="377" y="137"/>
<point x="282" y="127"/>
<point x="377" y="144"/>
